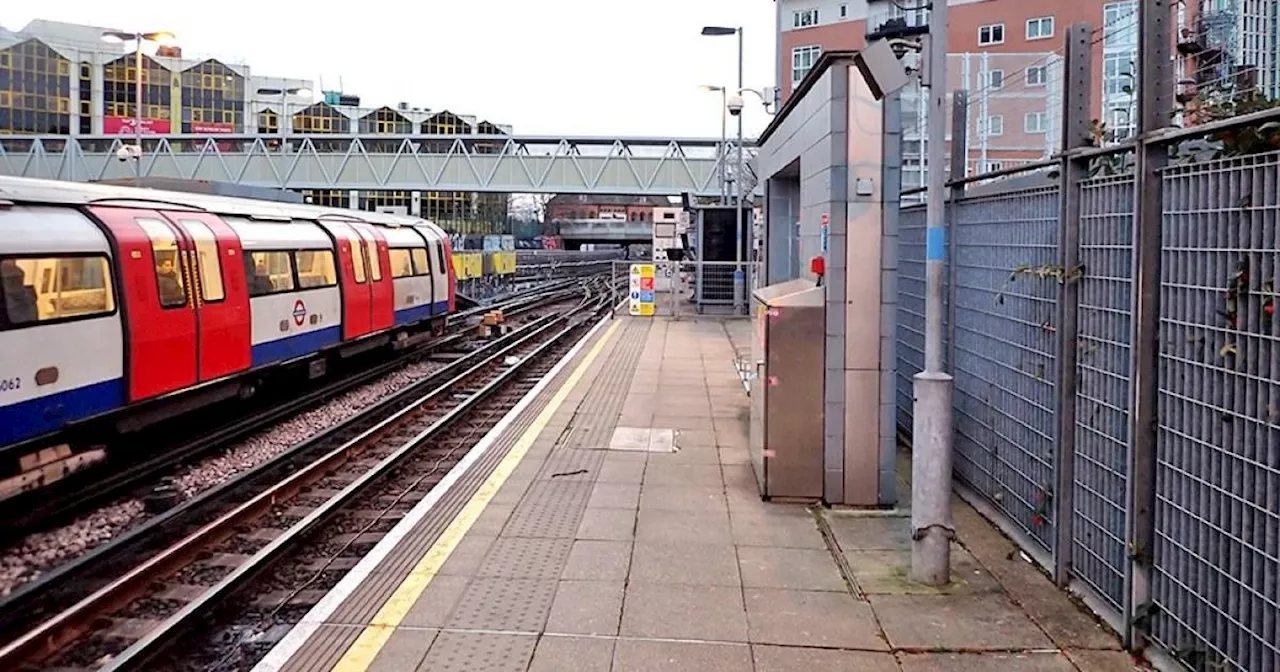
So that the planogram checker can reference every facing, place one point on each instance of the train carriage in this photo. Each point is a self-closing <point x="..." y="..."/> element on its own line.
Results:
<point x="134" y="305"/>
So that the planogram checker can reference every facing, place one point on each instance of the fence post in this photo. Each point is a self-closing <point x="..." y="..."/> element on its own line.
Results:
<point x="1155" y="92"/>
<point x="959" y="169"/>
<point x="1075" y="134"/>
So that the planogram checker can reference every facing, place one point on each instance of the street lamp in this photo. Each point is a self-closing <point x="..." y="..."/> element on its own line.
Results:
<point x="724" y="177"/>
<point x="284" y="100"/>
<point x="739" y="277"/>
<point x="162" y="38"/>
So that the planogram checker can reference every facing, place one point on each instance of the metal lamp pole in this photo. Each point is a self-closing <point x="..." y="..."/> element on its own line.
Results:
<point x="159" y="37"/>
<point x="739" y="276"/>
<point x="724" y="140"/>
<point x="932" y="432"/>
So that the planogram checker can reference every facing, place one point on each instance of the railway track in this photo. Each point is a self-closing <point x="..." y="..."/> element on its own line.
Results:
<point x="329" y="497"/>
<point x="61" y="501"/>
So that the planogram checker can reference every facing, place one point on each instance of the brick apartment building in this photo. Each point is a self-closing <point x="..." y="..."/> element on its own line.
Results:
<point x="1007" y="54"/>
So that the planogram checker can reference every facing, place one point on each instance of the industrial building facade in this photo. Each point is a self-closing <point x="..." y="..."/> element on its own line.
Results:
<point x="62" y="79"/>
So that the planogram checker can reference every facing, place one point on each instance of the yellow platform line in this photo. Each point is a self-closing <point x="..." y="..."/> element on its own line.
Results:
<point x="361" y="653"/>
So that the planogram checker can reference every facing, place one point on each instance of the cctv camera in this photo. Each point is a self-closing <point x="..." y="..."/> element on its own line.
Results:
<point x="735" y="105"/>
<point x="123" y="154"/>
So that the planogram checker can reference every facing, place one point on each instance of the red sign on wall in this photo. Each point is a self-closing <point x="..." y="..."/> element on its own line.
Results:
<point x="212" y="127"/>
<point x="125" y="126"/>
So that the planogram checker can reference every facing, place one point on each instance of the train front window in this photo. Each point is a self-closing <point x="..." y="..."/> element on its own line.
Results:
<point x="421" y="263"/>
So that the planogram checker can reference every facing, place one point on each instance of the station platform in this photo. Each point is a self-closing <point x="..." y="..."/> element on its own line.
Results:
<point x="574" y="539"/>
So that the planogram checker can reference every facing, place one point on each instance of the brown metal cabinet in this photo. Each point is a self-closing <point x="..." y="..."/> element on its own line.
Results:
<point x="786" y="390"/>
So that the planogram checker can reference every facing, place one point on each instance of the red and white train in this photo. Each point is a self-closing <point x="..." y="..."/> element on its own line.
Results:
<point x="137" y="304"/>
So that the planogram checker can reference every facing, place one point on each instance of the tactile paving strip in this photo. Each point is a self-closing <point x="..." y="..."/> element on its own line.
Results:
<point x="479" y="652"/>
<point x="520" y="558"/>
<point x="550" y="509"/>
<point x="520" y="605"/>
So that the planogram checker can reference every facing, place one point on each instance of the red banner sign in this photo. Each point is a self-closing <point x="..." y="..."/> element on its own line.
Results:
<point x="125" y="126"/>
<point x="212" y="128"/>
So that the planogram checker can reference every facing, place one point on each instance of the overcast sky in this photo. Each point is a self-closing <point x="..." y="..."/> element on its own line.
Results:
<point x="578" y="67"/>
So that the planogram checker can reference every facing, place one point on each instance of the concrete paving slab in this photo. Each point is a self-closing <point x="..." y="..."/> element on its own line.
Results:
<point x="586" y="608"/>
<point x="695" y="498"/>
<point x="650" y="656"/>
<point x="404" y="650"/>
<point x="803" y="659"/>
<point x="580" y="654"/>
<point x="621" y="471"/>
<point x="1093" y="660"/>
<point x="1050" y="661"/>
<point x="596" y="560"/>
<point x="956" y="623"/>
<point x="659" y="472"/>
<point x="889" y="573"/>
<point x="607" y="524"/>
<point x="870" y="533"/>
<point x="658" y="525"/>
<point x="681" y="563"/>
<point x="436" y="602"/>
<point x="776" y="531"/>
<point x="480" y="652"/>
<point x="811" y="618"/>
<point x="790" y="568"/>
<point x="467" y="555"/>
<point x="666" y="611"/>
<point x="614" y="496"/>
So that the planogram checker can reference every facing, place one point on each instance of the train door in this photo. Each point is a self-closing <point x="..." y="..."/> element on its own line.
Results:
<point x="382" y="294"/>
<point x="353" y="278"/>
<point x="161" y="323"/>
<point x="220" y="293"/>
<point x="447" y="251"/>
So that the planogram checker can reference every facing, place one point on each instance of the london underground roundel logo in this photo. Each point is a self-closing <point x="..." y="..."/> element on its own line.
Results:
<point x="299" y="312"/>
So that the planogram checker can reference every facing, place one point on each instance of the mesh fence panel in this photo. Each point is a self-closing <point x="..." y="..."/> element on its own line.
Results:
<point x="1006" y="298"/>
<point x="910" y="350"/>
<point x="1102" y="386"/>
<point x="1217" y="518"/>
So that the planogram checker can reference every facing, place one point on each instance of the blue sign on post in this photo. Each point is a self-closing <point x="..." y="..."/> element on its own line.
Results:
<point x="826" y="234"/>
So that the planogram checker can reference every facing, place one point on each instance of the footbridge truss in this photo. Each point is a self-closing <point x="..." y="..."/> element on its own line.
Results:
<point x="473" y="163"/>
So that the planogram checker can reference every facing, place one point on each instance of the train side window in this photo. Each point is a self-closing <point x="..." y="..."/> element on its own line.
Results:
<point x="269" y="272"/>
<point x="168" y="258"/>
<point x="440" y="253"/>
<point x="401" y="266"/>
<point x="375" y="264"/>
<point x="357" y="261"/>
<point x="54" y="288"/>
<point x="207" y="262"/>
<point x="421" y="263"/>
<point x="315" y="269"/>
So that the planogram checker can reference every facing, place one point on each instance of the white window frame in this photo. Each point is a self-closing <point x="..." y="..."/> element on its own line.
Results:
<point x="1041" y="125"/>
<point x="796" y="52"/>
<point x="844" y="11"/>
<point x="990" y="166"/>
<point x="992" y="122"/>
<point x="1044" y="75"/>
<point x="994" y="79"/>
<point x="1039" y="22"/>
<point x="990" y="30"/>
<point x="804" y="18"/>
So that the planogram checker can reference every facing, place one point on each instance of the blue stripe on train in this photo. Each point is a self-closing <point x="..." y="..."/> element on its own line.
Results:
<point x="295" y="346"/>
<point x="419" y="313"/>
<point x="42" y="415"/>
